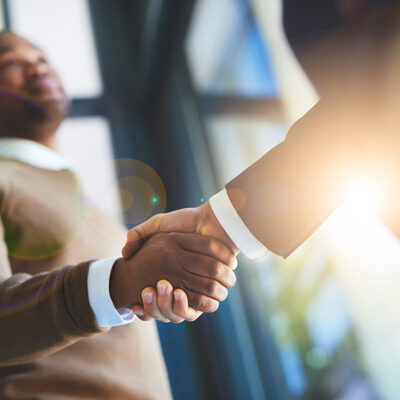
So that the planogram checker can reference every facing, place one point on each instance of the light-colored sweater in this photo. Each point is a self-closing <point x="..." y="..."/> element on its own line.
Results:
<point x="50" y="344"/>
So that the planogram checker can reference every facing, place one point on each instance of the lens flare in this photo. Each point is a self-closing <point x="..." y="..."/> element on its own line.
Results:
<point x="141" y="189"/>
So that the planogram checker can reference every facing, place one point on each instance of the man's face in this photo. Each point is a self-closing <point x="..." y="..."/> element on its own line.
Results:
<point x="28" y="82"/>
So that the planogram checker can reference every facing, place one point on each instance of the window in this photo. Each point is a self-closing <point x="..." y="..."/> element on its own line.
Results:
<point x="87" y="141"/>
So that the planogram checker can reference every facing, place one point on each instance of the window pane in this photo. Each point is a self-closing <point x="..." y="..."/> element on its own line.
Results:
<point x="63" y="29"/>
<point x="229" y="56"/>
<point x="2" y="21"/>
<point x="248" y="139"/>
<point x="87" y="141"/>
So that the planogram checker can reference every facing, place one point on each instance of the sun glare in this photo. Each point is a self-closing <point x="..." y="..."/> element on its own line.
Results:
<point x="365" y="196"/>
<point x="365" y="192"/>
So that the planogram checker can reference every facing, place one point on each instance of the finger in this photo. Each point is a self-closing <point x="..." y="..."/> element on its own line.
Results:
<point x="149" y="296"/>
<point x="211" y="268"/>
<point x="165" y="301"/>
<point x="137" y="234"/>
<point x="208" y="246"/>
<point x="202" y="303"/>
<point x="205" y="286"/>
<point x="181" y="306"/>
<point x="140" y="313"/>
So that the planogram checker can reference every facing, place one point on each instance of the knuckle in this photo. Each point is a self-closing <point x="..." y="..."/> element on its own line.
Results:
<point x="207" y="305"/>
<point x="218" y="270"/>
<point x="223" y="294"/>
<point x="232" y="261"/>
<point x="212" y="287"/>
<point x="211" y="306"/>
<point x="224" y="275"/>
<point x="229" y="278"/>
<point x="198" y="302"/>
<point x="233" y="279"/>
<point x="212" y="246"/>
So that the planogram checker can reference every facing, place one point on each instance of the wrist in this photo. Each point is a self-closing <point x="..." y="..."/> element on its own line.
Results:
<point x="123" y="293"/>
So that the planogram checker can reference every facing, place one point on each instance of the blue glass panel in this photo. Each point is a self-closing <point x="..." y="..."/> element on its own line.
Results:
<point x="246" y="69"/>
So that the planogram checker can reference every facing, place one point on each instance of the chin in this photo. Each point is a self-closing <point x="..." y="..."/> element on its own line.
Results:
<point x="51" y="108"/>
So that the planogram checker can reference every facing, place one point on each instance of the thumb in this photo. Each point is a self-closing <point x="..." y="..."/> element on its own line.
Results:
<point x="138" y="234"/>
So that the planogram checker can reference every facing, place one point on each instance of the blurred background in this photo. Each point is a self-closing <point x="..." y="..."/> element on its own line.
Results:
<point x="172" y="99"/>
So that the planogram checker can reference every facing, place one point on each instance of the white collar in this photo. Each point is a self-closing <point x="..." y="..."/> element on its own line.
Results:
<point x="33" y="153"/>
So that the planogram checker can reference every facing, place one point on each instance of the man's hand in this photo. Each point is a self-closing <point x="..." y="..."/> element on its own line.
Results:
<point x="165" y="304"/>
<point x="199" y="265"/>
<point x="192" y="220"/>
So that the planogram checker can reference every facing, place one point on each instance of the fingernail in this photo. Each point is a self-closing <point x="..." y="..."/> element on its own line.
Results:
<point x="148" y="297"/>
<point x="162" y="289"/>
<point x="177" y="296"/>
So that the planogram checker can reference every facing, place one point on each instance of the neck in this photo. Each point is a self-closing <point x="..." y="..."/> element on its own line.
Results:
<point x="42" y="132"/>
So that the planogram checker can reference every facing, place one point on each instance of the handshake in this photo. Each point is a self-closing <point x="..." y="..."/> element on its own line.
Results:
<point x="186" y="254"/>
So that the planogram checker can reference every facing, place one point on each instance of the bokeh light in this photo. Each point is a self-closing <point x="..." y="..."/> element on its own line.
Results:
<point x="316" y="358"/>
<point x="141" y="189"/>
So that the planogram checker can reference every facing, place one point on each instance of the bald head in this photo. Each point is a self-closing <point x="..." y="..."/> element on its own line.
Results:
<point x="9" y="37"/>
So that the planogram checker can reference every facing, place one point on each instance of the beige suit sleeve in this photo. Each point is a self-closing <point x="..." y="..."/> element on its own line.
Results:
<point x="43" y="313"/>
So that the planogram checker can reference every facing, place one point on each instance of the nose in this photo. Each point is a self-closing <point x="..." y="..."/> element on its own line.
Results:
<point x="35" y="69"/>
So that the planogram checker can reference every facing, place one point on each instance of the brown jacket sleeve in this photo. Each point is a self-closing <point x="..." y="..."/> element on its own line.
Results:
<point x="44" y="313"/>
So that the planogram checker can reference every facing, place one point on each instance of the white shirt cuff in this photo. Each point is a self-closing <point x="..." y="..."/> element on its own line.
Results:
<point x="99" y="295"/>
<point x="236" y="228"/>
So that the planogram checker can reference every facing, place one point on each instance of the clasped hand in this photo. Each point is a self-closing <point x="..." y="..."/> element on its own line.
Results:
<point x="183" y="274"/>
